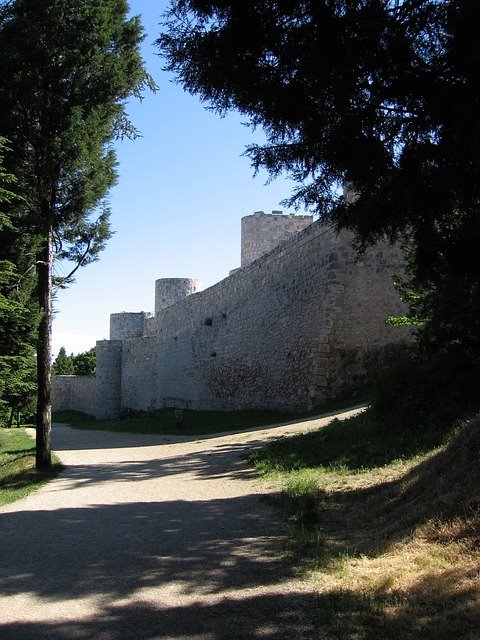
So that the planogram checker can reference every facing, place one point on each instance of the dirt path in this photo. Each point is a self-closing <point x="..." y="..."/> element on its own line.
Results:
<point x="150" y="538"/>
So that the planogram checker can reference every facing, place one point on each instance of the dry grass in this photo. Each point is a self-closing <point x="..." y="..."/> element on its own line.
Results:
<point x="419" y="588"/>
<point x="400" y="556"/>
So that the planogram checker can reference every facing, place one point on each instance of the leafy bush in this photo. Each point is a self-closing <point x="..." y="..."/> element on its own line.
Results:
<point x="427" y="390"/>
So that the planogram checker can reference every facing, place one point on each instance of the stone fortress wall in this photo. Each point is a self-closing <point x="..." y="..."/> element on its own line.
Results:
<point x="287" y="330"/>
<point x="74" y="392"/>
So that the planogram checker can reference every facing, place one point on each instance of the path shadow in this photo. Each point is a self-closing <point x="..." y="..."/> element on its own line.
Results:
<point x="224" y="461"/>
<point x="268" y="617"/>
<point x="207" y="546"/>
<point x="195" y="549"/>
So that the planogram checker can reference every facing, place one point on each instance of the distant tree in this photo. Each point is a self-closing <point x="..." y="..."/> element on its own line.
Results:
<point x="81" y="364"/>
<point x="84" y="363"/>
<point x="67" y="69"/>
<point x="382" y="95"/>
<point x="63" y="364"/>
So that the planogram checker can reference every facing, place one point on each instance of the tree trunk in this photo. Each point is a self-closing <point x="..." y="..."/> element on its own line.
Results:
<point x="44" y="379"/>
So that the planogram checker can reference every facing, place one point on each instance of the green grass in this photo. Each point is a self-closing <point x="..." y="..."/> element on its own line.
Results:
<point x="18" y="476"/>
<point x="304" y="465"/>
<point x="201" y="422"/>
<point x="162" y="422"/>
<point x="356" y="444"/>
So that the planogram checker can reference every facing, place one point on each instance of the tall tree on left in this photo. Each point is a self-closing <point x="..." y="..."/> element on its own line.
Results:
<point x="67" y="68"/>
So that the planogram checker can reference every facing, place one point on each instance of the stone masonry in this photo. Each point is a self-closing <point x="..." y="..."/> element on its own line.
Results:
<point x="290" y="328"/>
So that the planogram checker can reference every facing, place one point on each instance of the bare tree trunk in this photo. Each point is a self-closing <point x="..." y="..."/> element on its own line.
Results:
<point x="44" y="407"/>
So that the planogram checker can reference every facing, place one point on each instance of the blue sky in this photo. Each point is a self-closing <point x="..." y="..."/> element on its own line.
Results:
<point x="183" y="188"/>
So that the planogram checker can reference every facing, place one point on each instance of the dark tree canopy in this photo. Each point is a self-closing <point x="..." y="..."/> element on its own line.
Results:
<point x="18" y="308"/>
<point x="379" y="94"/>
<point x="383" y="95"/>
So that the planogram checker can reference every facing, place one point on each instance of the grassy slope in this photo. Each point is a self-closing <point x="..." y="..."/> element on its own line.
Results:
<point x="18" y="476"/>
<point x="389" y="526"/>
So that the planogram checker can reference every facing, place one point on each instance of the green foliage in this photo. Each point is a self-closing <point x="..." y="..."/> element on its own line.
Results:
<point x="62" y="365"/>
<point x="67" y="70"/>
<point x="66" y="74"/>
<point x="17" y="388"/>
<point x="18" y="310"/>
<point x="82" y="364"/>
<point x="423" y="391"/>
<point x="345" y="91"/>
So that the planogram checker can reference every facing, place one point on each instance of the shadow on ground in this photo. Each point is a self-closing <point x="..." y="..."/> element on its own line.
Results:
<point x="116" y="549"/>
<point x="113" y="551"/>
<point x="440" y="605"/>
<point x="271" y="617"/>
<point x="66" y="437"/>
<point x="225" y="461"/>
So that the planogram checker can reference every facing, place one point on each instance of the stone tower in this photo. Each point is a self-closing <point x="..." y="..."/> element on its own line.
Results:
<point x="262" y="232"/>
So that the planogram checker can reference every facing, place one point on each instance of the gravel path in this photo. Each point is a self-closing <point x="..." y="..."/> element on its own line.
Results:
<point x="151" y="538"/>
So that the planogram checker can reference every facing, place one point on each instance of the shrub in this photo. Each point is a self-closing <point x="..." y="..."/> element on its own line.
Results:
<point x="427" y="390"/>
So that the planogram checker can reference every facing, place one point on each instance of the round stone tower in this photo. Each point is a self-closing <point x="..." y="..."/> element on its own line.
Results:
<point x="168" y="291"/>
<point x="262" y="232"/>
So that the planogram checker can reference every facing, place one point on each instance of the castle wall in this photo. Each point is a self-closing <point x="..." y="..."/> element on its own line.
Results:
<point x="285" y="331"/>
<point x="281" y="332"/>
<point x="108" y="388"/>
<point x="137" y="374"/>
<point x="74" y="393"/>
<point x="169" y="291"/>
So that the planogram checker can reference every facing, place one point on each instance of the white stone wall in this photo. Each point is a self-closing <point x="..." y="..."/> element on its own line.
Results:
<point x="137" y="379"/>
<point x="169" y="291"/>
<point x="281" y="332"/>
<point x="108" y="374"/>
<point x="75" y="393"/>
<point x="128" y="325"/>
<point x="286" y="331"/>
